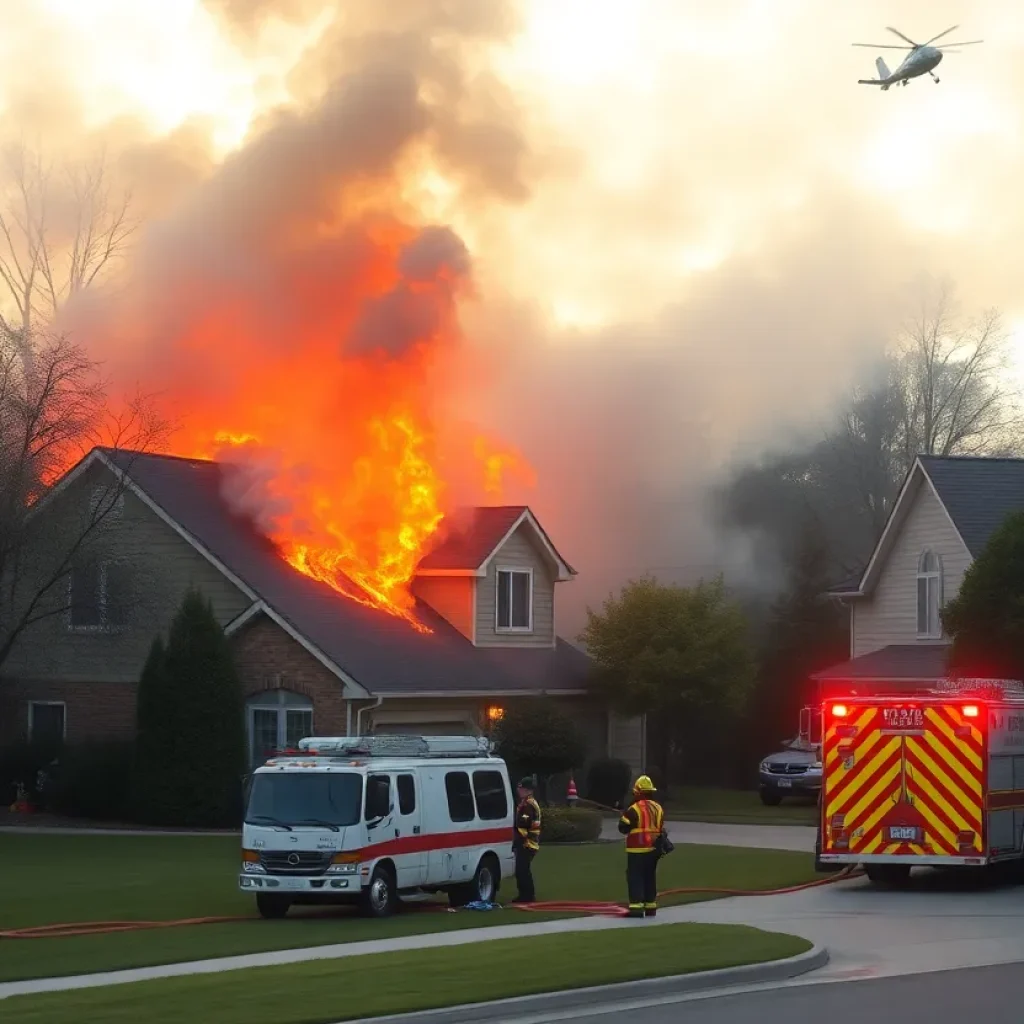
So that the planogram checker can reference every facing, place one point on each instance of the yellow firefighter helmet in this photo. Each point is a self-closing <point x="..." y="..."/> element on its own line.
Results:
<point x="643" y="785"/>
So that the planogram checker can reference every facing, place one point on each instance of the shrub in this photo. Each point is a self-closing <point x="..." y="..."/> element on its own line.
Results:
<point x="539" y="738"/>
<point x="93" y="780"/>
<point x="608" y="782"/>
<point x="190" y="753"/>
<point x="21" y="762"/>
<point x="570" y="825"/>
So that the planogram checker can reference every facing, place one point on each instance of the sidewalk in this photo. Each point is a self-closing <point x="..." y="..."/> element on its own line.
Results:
<point x="338" y="950"/>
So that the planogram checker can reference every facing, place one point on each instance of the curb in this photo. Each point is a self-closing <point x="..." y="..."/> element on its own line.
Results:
<point x="602" y="995"/>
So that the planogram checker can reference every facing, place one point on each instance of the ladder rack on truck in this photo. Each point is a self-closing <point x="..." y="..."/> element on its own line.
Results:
<point x="915" y="776"/>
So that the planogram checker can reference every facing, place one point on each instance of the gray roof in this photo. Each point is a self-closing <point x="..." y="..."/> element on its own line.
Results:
<point x="383" y="653"/>
<point x="979" y="493"/>
<point x="893" y="663"/>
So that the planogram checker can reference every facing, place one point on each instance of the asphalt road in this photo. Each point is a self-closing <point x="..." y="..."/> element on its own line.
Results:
<point x="993" y="995"/>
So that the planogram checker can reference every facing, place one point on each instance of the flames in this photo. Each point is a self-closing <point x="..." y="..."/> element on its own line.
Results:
<point x="338" y="440"/>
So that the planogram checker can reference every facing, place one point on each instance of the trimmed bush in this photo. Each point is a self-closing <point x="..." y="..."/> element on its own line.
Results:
<point x="190" y="752"/>
<point x="570" y="825"/>
<point x="21" y="762"/>
<point x="538" y="738"/>
<point x="93" y="780"/>
<point x="608" y="782"/>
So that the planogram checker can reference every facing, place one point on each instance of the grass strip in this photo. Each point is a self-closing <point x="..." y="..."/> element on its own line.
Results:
<point x="400" y="982"/>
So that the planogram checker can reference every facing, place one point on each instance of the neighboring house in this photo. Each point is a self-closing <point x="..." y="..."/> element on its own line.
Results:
<point x="311" y="660"/>
<point x="941" y="520"/>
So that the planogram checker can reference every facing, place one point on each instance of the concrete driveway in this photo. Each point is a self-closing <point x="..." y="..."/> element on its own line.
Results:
<point x="763" y="837"/>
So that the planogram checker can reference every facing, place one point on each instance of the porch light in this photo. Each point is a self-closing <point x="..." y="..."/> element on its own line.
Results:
<point x="495" y="713"/>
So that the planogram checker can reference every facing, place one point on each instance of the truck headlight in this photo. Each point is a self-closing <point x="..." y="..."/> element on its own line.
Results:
<point x="764" y="766"/>
<point x="251" y="863"/>
<point x="344" y="864"/>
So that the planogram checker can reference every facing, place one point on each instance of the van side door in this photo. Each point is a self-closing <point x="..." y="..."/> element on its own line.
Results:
<point x="457" y="794"/>
<point x="410" y="855"/>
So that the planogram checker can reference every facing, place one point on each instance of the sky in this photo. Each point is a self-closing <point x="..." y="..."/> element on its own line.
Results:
<point x="690" y="227"/>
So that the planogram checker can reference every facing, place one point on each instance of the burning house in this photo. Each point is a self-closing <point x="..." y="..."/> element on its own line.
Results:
<point x="477" y="633"/>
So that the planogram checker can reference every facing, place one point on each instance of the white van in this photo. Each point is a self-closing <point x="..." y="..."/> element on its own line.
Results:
<point x="365" y="819"/>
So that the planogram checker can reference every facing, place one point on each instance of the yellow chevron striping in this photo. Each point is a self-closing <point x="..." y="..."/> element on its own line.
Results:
<point x="876" y="795"/>
<point x="967" y="782"/>
<point x="966" y="753"/>
<point x="834" y="741"/>
<point x="966" y="816"/>
<point x="933" y="798"/>
<point x="864" y="773"/>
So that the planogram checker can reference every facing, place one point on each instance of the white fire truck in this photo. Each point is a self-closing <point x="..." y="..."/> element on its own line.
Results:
<point x="368" y="819"/>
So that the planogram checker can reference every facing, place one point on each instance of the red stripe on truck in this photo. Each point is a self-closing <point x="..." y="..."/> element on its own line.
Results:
<point x="436" y="841"/>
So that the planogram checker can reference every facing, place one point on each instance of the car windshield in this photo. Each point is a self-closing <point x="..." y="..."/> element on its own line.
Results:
<point x="305" y="798"/>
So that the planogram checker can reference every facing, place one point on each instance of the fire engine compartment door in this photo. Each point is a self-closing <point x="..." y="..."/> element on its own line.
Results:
<point x="903" y="779"/>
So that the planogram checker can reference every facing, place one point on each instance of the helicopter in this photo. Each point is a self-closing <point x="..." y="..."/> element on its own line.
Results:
<point x="922" y="59"/>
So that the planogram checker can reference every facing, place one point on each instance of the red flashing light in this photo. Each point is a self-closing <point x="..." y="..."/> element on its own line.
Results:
<point x="970" y="710"/>
<point x="840" y="710"/>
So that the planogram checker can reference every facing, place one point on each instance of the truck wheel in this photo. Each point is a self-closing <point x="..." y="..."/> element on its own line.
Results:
<point x="887" y="874"/>
<point x="770" y="799"/>
<point x="484" y="887"/>
<point x="271" y="906"/>
<point x="380" y="897"/>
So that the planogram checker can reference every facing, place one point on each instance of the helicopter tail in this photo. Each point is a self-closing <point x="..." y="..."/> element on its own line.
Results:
<point x="883" y="76"/>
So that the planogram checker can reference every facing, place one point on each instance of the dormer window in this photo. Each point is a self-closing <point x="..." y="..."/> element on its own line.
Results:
<point x="514" y="603"/>
<point x="929" y="596"/>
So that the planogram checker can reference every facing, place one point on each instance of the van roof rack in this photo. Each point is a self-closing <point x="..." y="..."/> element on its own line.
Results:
<point x="397" y="745"/>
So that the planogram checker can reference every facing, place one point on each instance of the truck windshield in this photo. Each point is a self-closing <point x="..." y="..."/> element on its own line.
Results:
<point x="305" y="798"/>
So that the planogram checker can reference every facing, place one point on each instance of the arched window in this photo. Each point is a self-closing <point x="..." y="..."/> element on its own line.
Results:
<point x="276" y="719"/>
<point x="929" y="595"/>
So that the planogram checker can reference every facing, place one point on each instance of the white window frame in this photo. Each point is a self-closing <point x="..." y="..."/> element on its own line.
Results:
<point x="103" y="626"/>
<point x="33" y="704"/>
<point x="276" y="700"/>
<point x="498" y="627"/>
<point x="933" y="582"/>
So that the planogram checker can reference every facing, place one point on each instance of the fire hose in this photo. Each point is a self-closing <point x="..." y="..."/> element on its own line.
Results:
<point x="595" y="907"/>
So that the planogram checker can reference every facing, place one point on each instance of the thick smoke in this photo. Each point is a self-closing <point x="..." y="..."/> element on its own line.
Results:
<point x="678" y="262"/>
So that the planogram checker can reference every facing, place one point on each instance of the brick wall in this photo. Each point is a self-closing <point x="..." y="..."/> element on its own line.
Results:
<point x="269" y="659"/>
<point x="92" y="710"/>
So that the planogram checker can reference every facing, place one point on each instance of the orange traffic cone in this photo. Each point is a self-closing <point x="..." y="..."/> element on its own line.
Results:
<point x="571" y="795"/>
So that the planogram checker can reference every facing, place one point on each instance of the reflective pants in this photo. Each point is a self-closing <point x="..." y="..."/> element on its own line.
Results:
<point x="524" y="874"/>
<point x="642" y="880"/>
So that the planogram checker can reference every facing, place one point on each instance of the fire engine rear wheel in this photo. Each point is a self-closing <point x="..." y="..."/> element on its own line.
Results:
<point x="887" y="874"/>
<point x="272" y="906"/>
<point x="380" y="897"/>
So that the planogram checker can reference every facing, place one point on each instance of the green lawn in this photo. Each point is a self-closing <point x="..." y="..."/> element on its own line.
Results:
<point x="736" y="807"/>
<point x="366" y="986"/>
<point x="53" y="879"/>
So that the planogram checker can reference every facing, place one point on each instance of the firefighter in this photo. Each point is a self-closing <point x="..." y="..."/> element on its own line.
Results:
<point x="642" y="825"/>
<point x="526" y="841"/>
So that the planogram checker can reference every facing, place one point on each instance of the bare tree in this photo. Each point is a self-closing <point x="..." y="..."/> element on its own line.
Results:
<point x="61" y="227"/>
<point x="954" y="384"/>
<point x="53" y="411"/>
<point x="943" y="389"/>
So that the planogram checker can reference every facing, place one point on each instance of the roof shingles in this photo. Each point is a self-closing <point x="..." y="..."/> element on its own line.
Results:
<point x="380" y="652"/>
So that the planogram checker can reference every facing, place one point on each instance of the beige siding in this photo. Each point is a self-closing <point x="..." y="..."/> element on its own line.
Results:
<point x="451" y="597"/>
<point x="162" y="567"/>
<point x="520" y="551"/>
<point x="889" y="616"/>
<point x="626" y="740"/>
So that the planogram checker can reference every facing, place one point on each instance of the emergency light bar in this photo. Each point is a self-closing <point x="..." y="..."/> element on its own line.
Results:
<point x="970" y="687"/>
<point x="399" y="745"/>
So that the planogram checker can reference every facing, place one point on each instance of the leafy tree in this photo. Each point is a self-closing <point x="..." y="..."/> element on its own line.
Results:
<point x="191" y="740"/>
<point x="986" y="619"/>
<point x="807" y="632"/>
<point x="539" y="738"/>
<point x="678" y="654"/>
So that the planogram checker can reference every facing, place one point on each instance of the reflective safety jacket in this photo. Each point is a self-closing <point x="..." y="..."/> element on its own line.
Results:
<point x="641" y="824"/>
<point x="528" y="824"/>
